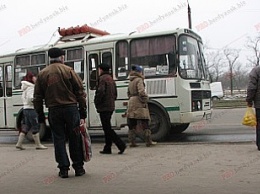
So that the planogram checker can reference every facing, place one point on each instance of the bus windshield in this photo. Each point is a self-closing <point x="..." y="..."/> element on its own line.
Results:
<point x="190" y="62"/>
<point x="155" y="55"/>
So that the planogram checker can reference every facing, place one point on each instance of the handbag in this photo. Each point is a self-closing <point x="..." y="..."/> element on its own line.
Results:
<point x="249" y="118"/>
<point x="86" y="143"/>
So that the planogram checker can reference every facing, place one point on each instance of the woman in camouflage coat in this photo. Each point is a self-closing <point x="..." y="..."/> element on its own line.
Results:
<point x="138" y="113"/>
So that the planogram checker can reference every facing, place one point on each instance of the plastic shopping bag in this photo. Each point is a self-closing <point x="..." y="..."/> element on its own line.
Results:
<point x="86" y="143"/>
<point x="249" y="118"/>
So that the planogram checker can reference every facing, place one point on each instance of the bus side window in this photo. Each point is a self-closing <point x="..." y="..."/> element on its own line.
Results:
<point x="9" y="79"/>
<point x="1" y="90"/>
<point x="121" y="60"/>
<point x="1" y="82"/>
<point x="93" y="78"/>
<point x="172" y="63"/>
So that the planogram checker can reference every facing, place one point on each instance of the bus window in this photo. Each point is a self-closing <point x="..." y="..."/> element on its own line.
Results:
<point x="1" y="82"/>
<point x="190" y="60"/>
<point x="93" y="73"/>
<point x="107" y="58"/>
<point x="38" y="59"/>
<point x="155" y="55"/>
<point x="74" y="58"/>
<point x="28" y="63"/>
<point x="74" y="54"/>
<point x="8" y="80"/>
<point x="122" y="59"/>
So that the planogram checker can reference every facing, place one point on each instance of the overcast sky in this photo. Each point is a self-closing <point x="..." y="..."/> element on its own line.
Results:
<point x="220" y="23"/>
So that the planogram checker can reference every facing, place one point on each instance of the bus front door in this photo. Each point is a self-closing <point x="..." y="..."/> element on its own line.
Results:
<point x="6" y="116"/>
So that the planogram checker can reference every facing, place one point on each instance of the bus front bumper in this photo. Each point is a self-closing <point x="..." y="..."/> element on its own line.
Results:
<point x="190" y="117"/>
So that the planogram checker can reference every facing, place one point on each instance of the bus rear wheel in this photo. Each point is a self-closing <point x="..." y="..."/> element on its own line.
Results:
<point x="44" y="133"/>
<point x="159" y="124"/>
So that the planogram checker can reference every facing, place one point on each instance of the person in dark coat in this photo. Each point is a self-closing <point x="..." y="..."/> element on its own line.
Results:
<point x="105" y="97"/>
<point x="253" y="98"/>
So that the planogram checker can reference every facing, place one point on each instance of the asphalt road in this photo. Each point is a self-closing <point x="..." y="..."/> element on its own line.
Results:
<point x="224" y="126"/>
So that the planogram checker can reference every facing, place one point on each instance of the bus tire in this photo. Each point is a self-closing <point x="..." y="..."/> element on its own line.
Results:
<point x="159" y="124"/>
<point x="44" y="133"/>
<point x="19" y="120"/>
<point x="179" y="128"/>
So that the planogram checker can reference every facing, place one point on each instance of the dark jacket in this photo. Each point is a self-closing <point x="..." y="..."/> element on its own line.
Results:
<point x="106" y="93"/>
<point x="253" y="88"/>
<point x="59" y="85"/>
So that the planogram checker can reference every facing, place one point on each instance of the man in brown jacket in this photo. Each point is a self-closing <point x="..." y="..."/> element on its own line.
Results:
<point x="105" y="97"/>
<point x="62" y="91"/>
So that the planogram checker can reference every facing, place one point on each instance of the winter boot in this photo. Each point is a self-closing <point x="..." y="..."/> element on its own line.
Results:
<point x="20" y="141"/>
<point x="38" y="144"/>
<point x="131" y="138"/>
<point x="147" y="138"/>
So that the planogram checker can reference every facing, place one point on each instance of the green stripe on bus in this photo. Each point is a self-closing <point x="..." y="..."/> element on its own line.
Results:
<point x="120" y="110"/>
<point x="17" y="93"/>
<point x="122" y="86"/>
<point x="174" y="108"/>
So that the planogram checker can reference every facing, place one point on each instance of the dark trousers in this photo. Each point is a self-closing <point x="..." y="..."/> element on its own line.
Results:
<point x="63" y="121"/>
<point x="257" y="110"/>
<point x="110" y="134"/>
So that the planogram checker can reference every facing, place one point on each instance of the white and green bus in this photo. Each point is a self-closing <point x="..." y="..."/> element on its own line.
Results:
<point x="175" y="73"/>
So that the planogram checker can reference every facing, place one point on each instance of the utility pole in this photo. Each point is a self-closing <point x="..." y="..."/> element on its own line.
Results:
<point x="189" y="15"/>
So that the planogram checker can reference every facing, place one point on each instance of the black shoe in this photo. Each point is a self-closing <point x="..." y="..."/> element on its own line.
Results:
<point x="80" y="172"/>
<point x="122" y="150"/>
<point x="63" y="174"/>
<point x="105" y="152"/>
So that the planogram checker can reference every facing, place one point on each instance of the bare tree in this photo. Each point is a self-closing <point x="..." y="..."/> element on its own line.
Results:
<point x="240" y="77"/>
<point x="214" y="62"/>
<point x="254" y="45"/>
<point x="231" y="56"/>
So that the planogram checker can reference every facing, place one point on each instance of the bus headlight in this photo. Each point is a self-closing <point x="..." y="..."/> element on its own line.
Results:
<point x="196" y="105"/>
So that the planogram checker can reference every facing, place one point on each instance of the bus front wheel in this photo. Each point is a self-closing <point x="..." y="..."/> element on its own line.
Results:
<point x="179" y="128"/>
<point x="159" y="124"/>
